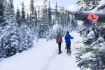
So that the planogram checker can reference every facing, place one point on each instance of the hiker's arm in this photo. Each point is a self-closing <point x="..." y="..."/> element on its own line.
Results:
<point x="71" y="37"/>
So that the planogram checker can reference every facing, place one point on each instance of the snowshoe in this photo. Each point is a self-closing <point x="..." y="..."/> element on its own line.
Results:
<point x="69" y="53"/>
<point x="59" y="52"/>
<point x="65" y="47"/>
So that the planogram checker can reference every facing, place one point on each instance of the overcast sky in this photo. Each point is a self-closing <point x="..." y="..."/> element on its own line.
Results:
<point x="65" y="3"/>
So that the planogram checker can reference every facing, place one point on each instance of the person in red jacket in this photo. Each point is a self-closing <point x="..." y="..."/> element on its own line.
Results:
<point x="59" y="41"/>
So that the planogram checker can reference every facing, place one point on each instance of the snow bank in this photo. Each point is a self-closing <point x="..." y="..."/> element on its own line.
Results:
<point x="33" y="59"/>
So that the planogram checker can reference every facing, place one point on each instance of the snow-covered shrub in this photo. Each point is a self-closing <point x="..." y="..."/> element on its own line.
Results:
<point x="91" y="54"/>
<point x="25" y="38"/>
<point x="13" y="38"/>
<point x="14" y="41"/>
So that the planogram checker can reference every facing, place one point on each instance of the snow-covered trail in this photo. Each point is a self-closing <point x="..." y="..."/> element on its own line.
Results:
<point x="43" y="57"/>
<point x="65" y="61"/>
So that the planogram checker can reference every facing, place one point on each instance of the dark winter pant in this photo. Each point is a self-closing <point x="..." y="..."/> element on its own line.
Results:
<point x="68" y="46"/>
<point x="59" y="47"/>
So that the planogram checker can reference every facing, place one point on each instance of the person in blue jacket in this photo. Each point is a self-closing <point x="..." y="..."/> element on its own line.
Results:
<point x="68" y="38"/>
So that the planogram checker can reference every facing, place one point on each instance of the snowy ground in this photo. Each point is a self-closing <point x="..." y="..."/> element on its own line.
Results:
<point x="43" y="57"/>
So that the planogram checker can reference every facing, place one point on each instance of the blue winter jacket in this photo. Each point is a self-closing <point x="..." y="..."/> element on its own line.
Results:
<point x="68" y="38"/>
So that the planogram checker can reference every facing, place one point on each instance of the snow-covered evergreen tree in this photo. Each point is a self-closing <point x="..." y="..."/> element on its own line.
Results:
<point x="25" y="32"/>
<point x="28" y="19"/>
<point x="91" y="54"/>
<point x="88" y="4"/>
<point x="9" y="29"/>
<point x="33" y="19"/>
<point x="2" y="2"/>
<point x="14" y="38"/>
<point x="32" y="6"/>
<point x="25" y="38"/>
<point x="74" y="24"/>
<point x="33" y="14"/>
<point x="23" y="14"/>
<point x="44" y="23"/>
<point x="18" y="17"/>
<point x="49" y="15"/>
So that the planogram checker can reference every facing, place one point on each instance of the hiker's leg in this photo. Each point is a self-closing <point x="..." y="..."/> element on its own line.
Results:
<point x="67" y="47"/>
<point x="59" y="47"/>
<point x="70" y="46"/>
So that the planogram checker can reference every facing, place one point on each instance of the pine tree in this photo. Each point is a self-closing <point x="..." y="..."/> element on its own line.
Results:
<point x="9" y="47"/>
<point x="2" y="2"/>
<point x="28" y="19"/>
<point x="44" y="25"/>
<point x="9" y="13"/>
<point x="35" y="12"/>
<point x="65" y="20"/>
<point x="32" y="7"/>
<point x="11" y="2"/>
<point x="68" y="19"/>
<point x="63" y="17"/>
<point x="14" y="38"/>
<point x="18" y="17"/>
<point x="91" y="54"/>
<point x="23" y="16"/>
<point x="56" y="12"/>
<point x="88" y="4"/>
<point x="49" y="15"/>
<point x="32" y="12"/>
<point x="73" y="23"/>
<point x="33" y="17"/>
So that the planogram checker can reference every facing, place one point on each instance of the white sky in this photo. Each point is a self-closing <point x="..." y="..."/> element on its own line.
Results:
<point x="66" y="3"/>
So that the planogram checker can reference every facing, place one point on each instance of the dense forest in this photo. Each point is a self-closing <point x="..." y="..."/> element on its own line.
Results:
<point x="19" y="28"/>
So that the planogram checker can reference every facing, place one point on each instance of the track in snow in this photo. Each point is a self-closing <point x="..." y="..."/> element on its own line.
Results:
<point x="43" y="56"/>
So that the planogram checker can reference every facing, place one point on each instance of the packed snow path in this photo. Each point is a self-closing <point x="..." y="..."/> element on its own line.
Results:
<point x="43" y="56"/>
